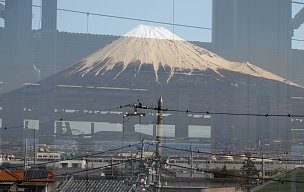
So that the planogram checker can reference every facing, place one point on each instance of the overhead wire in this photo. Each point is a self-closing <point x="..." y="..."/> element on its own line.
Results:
<point x="183" y="167"/>
<point x="298" y="2"/>
<point x="188" y="111"/>
<point x="130" y="18"/>
<point x="180" y="166"/>
<point x="301" y="40"/>
<point x="84" y="156"/>
<point x="63" y="119"/>
<point x="229" y="154"/>
<point x="142" y="20"/>
<point x="173" y="24"/>
<point x="101" y="167"/>
<point x="277" y="178"/>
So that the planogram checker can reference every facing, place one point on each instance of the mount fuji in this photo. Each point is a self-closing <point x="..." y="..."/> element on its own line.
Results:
<point x="156" y="56"/>
<point x="149" y="62"/>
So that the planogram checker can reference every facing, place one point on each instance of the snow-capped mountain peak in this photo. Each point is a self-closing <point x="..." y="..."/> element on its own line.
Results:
<point x="154" y="47"/>
<point x="144" y="31"/>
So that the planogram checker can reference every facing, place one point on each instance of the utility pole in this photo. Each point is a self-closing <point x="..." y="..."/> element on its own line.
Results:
<point x="123" y="133"/>
<point x="191" y="161"/>
<point x="35" y="153"/>
<point x="159" y="140"/>
<point x="25" y="153"/>
<point x="87" y="166"/>
<point x="158" y="134"/>
<point x="262" y="153"/>
<point x="142" y="166"/>
<point x="142" y="150"/>
<point x="286" y="153"/>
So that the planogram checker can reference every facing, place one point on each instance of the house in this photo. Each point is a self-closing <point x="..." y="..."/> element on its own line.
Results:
<point x="27" y="180"/>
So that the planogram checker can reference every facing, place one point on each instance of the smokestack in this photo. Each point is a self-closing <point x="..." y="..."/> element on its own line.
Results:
<point x="49" y="15"/>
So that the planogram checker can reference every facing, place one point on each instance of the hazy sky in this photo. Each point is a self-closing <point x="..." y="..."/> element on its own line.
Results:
<point x="190" y="12"/>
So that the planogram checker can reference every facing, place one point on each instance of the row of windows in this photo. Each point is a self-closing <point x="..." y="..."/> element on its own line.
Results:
<point x="46" y="156"/>
<point x="218" y="161"/>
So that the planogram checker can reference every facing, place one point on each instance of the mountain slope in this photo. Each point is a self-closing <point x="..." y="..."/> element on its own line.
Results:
<point x="161" y="50"/>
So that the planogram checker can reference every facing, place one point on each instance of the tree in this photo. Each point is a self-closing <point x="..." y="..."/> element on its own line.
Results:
<point x="250" y="173"/>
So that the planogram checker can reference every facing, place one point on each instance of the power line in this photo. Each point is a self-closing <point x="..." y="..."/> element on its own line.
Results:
<point x="154" y="159"/>
<point x="301" y="40"/>
<point x="138" y="19"/>
<point x="297" y="2"/>
<point x="234" y="114"/>
<point x="86" y="155"/>
<point x="142" y="20"/>
<point x="276" y="179"/>
<point x="233" y="155"/>
<point x="188" y="111"/>
<point x="130" y="18"/>
<point x="63" y="119"/>
<point x="238" y="176"/>
<point x="102" y="167"/>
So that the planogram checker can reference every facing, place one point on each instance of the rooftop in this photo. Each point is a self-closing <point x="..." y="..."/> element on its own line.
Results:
<point x="94" y="183"/>
<point x="21" y="175"/>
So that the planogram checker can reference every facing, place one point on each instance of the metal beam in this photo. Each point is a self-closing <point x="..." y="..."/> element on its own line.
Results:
<point x="298" y="20"/>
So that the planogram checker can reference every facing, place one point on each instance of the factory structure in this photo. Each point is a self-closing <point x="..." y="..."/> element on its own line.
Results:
<point x="33" y="87"/>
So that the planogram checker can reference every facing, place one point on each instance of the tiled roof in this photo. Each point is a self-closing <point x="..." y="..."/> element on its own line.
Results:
<point x="94" y="184"/>
<point x="8" y="175"/>
<point x="19" y="175"/>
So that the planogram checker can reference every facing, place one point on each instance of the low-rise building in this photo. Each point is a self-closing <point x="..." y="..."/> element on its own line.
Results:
<point x="29" y="180"/>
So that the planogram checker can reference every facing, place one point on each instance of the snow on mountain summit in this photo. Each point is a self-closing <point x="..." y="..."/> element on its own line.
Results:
<point x="158" y="48"/>
<point x="144" y="31"/>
